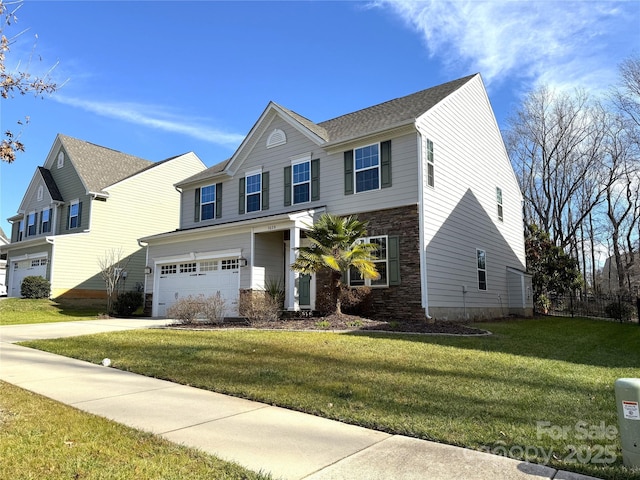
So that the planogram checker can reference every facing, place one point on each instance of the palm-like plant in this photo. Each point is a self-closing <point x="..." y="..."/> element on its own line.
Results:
<point x="336" y="245"/>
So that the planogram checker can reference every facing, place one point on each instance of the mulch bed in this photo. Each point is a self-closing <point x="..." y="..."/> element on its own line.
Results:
<point x="343" y="323"/>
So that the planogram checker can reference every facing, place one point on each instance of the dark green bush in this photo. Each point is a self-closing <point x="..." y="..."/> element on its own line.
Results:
<point x="126" y="303"/>
<point x="619" y="310"/>
<point x="35" y="286"/>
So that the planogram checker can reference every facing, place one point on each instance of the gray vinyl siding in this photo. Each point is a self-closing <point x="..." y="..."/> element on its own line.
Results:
<point x="404" y="179"/>
<point x="271" y="160"/>
<point x="269" y="255"/>
<point x="460" y="213"/>
<point x="404" y="189"/>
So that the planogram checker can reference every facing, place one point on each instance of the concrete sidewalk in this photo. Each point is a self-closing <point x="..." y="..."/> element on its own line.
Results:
<point x="287" y="444"/>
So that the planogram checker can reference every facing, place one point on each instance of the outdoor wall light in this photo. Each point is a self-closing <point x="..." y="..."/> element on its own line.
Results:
<point x="148" y="270"/>
<point x="243" y="262"/>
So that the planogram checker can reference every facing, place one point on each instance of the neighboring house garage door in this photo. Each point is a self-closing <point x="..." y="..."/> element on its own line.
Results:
<point x="203" y="277"/>
<point x="25" y="268"/>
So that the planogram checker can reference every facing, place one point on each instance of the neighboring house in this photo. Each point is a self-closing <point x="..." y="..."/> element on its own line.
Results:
<point x="86" y="204"/>
<point x="610" y="283"/>
<point x="3" y="263"/>
<point x="428" y="171"/>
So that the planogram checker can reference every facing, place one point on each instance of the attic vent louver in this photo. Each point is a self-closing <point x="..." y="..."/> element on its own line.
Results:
<point x="277" y="137"/>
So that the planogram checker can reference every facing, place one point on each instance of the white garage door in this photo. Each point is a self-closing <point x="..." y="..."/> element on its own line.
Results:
<point x="25" y="268"/>
<point x="203" y="277"/>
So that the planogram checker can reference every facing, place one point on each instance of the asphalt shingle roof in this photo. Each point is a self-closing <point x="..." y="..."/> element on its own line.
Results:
<point x="99" y="167"/>
<point x="51" y="184"/>
<point x="390" y="113"/>
<point x="377" y="118"/>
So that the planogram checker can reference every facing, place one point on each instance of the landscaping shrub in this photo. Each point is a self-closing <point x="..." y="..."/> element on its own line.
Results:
<point x="126" y="303"/>
<point x="187" y="309"/>
<point x="619" y="310"/>
<point x="353" y="301"/>
<point x="356" y="301"/>
<point x="35" y="286"/>
<point x="258" y="305"/>
<point x="213" y="308"/>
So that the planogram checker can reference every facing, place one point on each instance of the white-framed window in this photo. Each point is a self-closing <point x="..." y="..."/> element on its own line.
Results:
<point x="208" y="202"/>
<point x="188" y="267"/>
<point x="40" y="192"/>
<point x="381" y="260"/>
<point x="168" y="269"/>
<point x="367" y="167"/>
<point x="74" y="214"/>
<point x="431" y="169"/>
<point x="20" y="230"/>
<point x="60" y="159"/>
<point x="230" y="264"/>
<point x="301" y="181"/>
<point x="37" y="262"/>
<point x="499" y="203"/>
<point x="253" y="192"/>
<point x="31" y="224"/>
<point x="481" y="257"/>
<point x="45" y="223"/>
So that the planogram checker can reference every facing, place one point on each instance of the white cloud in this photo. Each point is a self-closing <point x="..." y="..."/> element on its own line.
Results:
<point x="560" y="43"/>
<point x="152" y="117"/>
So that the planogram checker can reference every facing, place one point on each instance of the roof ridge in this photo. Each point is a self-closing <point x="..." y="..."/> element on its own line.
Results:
<point x="386" y="102"/>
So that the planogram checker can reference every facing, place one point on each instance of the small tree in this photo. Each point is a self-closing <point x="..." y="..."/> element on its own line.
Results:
<point x="554" y="272"/>
<point x="113" y="271"/>
<point x="336" y="245"/>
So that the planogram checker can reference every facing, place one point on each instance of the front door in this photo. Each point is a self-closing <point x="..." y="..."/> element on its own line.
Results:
<point x="304" y="290"/>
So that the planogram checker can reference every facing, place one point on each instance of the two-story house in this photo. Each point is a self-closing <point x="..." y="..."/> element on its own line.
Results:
<point x="428" y="171"/>
<point x="88" y="204"/>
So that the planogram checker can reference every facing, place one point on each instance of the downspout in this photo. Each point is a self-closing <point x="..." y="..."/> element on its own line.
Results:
<point x="145" y="245"/>
<point x="423" y="256"/>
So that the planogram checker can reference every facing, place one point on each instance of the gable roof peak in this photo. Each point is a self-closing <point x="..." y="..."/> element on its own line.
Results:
<point x="98" y="166"/>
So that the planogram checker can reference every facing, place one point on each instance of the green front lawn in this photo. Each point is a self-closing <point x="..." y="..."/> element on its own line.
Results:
<point x="18" y="311"/>
<point x="41" y="438"/>
<point x="532" y="390"/>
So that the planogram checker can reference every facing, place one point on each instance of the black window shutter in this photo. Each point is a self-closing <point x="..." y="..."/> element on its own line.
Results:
<point x="218" y="200"/>
<point x="265" y="191"/>
<point x="196" y="206"/>
<point x="287" y="186"/>
<point x="385" y="163"/>
<point x="241" y="196"/>
<point x="393" y="256"/>
<point x="68" y="217"/>
<point x="79" y="214"/>
<point x="348" y="172"/>
<point x="36" y="229"/>
<point x="315" y="179"/>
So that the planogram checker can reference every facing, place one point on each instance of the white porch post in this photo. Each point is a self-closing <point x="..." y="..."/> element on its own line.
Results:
<point x="293" y="303"/>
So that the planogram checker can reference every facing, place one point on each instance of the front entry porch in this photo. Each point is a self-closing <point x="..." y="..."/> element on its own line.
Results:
<point x="273" y="250"/>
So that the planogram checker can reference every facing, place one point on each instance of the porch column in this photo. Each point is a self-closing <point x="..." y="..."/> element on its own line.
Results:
<point x="292" y="277"/>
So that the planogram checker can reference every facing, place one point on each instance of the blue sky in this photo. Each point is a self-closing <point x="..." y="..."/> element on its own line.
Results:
<point x="160" y="78"/>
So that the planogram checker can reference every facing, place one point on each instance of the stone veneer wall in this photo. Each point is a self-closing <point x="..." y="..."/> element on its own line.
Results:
<point x="402" y="302"/>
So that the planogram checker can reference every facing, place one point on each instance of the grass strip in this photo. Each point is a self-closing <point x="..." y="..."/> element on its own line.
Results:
<point x="41" y="438"/>
<point x="22" y="311"/>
